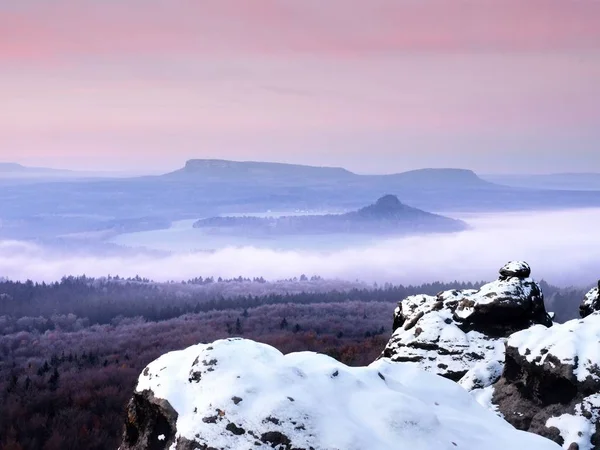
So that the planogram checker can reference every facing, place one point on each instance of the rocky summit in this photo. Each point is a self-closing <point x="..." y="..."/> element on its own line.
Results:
<point x="461" y="334"/>
<point x="237" y="394"/>
<point x="499" y="343"/>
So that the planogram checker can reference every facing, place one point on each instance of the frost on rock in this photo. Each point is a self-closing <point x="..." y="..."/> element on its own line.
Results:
<point x="461" y="334"/>
<point x="551" y="382"/>
<point x="239" y="394"/>
<point x="591" y="302"/>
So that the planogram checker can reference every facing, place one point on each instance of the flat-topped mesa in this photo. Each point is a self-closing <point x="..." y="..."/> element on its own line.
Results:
<point x="591" y="302"/>
<point x="460" y="334"/>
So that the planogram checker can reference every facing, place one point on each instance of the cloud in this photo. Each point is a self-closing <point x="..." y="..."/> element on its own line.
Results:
<point x="562" y="247"/>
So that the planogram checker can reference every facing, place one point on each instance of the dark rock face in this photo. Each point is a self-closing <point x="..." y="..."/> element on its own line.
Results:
<point x="456" y="332"/>
<point x="591" y="302"/>
<point x="551" y="382"/>
<point x="150" y="423"/>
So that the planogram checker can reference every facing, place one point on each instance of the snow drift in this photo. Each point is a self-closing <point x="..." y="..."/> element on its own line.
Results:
<point x="239" y="394"/>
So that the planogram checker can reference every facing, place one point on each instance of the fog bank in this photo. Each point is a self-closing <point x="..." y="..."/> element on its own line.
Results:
<point x="563" y="247"/>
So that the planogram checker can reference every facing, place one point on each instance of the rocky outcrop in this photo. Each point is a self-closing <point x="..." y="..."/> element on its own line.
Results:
<point x="461" y="334"/>
<point x="239" y="394"/>
<point x="499" y="343"/>
<point x="591" y="302"/>
<point x="551" y="382"/>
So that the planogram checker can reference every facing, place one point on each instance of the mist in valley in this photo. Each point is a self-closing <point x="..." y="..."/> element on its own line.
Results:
<point x="562" y="247"/>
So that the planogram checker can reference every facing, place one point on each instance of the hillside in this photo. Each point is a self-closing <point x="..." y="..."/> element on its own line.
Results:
<point x="387" y="216"/>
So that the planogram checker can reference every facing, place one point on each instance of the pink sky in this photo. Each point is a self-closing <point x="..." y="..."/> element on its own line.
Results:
<point x="373" y="85"/>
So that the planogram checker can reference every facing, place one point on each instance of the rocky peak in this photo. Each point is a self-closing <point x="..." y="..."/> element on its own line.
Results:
<point x="511" y="303"/>
<point x="499" y="343"/>
<point x="460" y="334"/>
<point x="386" y="206"/>
<point x="388" y="202"/>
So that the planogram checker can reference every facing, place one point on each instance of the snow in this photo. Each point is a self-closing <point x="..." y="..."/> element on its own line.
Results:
<point x="516" y="267"/>
<point x="438" y="345"/>
<point x="576" y="343"/>
<point x="591" y="301"/>
<point x="510" y="290"/>
<point x="484" y="397"/>
<point x="590" y="297"/>
<point x="433" y="339"/>
<point x="318" y="402"/>
<point x="576" y="427"/>
<point x="486" y="372"/>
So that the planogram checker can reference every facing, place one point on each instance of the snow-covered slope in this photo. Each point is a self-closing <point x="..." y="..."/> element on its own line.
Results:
<point x="239" y="394"/>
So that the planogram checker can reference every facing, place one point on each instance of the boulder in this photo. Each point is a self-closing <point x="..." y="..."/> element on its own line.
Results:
<point x="551" y="382"/>
<point x="238" y="394"/>
<point x="460" y="334"/>
<point x="519" y="269"/>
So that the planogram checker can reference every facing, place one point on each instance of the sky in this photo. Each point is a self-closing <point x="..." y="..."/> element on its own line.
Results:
<point x="376" y="86"/>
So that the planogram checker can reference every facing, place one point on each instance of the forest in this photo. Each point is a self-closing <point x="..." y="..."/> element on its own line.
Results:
<point x="71" y="351"/>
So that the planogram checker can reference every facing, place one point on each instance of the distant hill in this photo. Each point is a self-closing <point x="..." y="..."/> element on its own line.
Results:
<point x="457" y="178"/>
<point x="18" y="173"/>
<point x="18" y="169"/>
<point x="222" y="170"/>
<point x="207" y="170"/>
<point x="555" y="181"/>
<point x="387" y="216"/>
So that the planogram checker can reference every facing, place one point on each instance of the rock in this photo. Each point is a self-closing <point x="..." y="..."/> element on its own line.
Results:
<point x="151" y="423"/>
<point x="305" y="401"/>
<point x="461" y="334"/>
<point x="551" y="382"/>
<point x="519" y="269"/>
<point x="591" y="302"/>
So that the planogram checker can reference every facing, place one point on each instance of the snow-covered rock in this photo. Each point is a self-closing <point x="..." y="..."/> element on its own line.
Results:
<point x="461" y="334"/>
<point x="239" y="394"/>
<point x="591" y="302"/>
<point x="519" y="269"/>
<point x="551" y="382"/>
